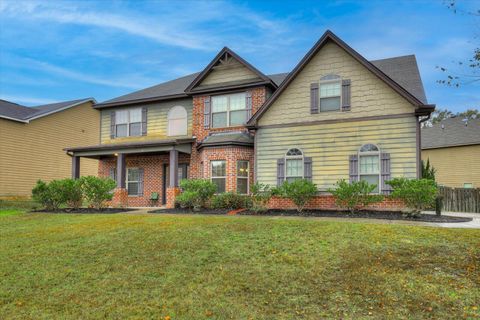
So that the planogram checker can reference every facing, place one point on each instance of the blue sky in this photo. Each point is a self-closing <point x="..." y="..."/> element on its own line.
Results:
<point x="59" y="50"/>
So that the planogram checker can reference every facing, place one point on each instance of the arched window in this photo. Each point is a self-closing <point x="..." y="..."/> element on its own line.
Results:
<point x="369" y="165"/>
<point x="294" y="164"/>
<point x="177" y="121"/>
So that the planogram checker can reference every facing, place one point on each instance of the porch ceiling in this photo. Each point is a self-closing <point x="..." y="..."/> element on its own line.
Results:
<point x="146" y="147"/>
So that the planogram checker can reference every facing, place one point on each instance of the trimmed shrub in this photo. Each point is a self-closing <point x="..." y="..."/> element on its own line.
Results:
<point x="416" y="194"/>
<point x="260" y="195"/>
<point x="73" y="194"/>
<point x="231" y="200"/>
<point x="49" y="195"/>
<point x="97" y="190"/>
<point x="354" y="195"/>
<point x="299" y="191"/>
<point x="196" y="193"/>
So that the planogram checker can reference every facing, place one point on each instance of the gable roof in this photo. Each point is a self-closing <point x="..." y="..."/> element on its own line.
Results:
<point x="451" y="132"/>
<point x="226" y="53"/>
<point x="330" y="36"/>
<point x="404" y="71"/>
<point x="16" y="112"/>
<point x="167" y="90"/>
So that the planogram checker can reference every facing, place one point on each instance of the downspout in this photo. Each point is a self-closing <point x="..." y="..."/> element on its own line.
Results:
<point x="419" y="144"/>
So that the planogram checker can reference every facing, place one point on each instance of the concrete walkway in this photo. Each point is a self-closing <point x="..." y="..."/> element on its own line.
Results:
<point x="474" y="224"/>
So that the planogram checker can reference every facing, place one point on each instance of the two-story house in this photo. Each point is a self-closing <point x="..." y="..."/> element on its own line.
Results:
<point x="336" y="115"/>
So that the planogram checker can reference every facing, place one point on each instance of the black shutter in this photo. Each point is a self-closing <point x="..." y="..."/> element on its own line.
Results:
<point x="307" y="168"/>
<point x="248" y="103"/>
<point x="353" y="164"/>
<point x="206" y="112"/>
<point x="112" y="125"/>
<point x="144" y="121"/>
<point x="346" y="103"/>
<point x="314" y="100"/>
<point x="140" y="182"/>
<point x="280" y="171"/>
<point x="385" y="173"/>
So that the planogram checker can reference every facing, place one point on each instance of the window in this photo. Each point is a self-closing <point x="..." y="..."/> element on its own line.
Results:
<point x="330" y="94"/>
<point x="177" y="121"/>
<point x="229" y="110"/>
<point x="369" y="165"/>
<point x="133" y="181"/>
<point x="242" y="176"/>
<point x="293" y="165"/>
<point x="128" y="122"/>
<point x="468" y="185"/>
<point x="219" y="174"/>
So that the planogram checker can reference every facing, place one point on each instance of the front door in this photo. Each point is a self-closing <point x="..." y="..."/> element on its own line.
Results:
<point x="182" y="174"/>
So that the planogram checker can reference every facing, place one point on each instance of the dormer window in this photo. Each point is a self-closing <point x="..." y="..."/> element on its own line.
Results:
<point x="330" y="93"/>
<point x="229" y="110"/>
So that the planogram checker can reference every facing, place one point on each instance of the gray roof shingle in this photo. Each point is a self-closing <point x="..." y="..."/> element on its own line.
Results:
<point x="21" y="113"/>
<point x="451" y="132"/>
<point x="403" y="70"/>
<point x="241" y="138"/>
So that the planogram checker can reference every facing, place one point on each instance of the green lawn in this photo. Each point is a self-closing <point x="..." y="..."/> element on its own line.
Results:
<point x="207" y="267"/>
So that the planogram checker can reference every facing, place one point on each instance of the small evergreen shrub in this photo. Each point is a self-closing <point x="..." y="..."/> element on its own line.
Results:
<point x="49" y="195"/>
<point x="354" y="195"/>
<point x="260" y="195"/>
<point x="231" y="200"/>
<point x="428" y="171"/>
<point x="299" y="191"/>
<point x="97" y="190"/>
<point x="73" y="194"/>
<point x="196" y="193"/>
<point x="416" y="194"/>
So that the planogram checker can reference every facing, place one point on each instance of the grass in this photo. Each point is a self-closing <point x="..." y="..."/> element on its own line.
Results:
<point x="60" y="266"/>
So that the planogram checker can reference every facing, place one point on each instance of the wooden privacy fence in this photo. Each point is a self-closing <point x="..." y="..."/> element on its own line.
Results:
<point x="460" y="199"/>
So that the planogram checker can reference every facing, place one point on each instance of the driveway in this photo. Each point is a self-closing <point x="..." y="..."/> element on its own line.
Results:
<point x="474" y="224"/>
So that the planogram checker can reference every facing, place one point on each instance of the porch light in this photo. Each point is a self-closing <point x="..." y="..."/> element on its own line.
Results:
<point x="115" y="154"/>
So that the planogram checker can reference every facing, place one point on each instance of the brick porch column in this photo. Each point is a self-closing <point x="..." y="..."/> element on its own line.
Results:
<point x="120" y="195"/>
<point x="172" y="190"/>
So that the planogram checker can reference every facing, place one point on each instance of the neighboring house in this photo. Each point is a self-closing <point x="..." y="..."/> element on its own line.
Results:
<point x="453" y="148"/>
<point x="335" y="116"/>
<point x="32" y="139"/>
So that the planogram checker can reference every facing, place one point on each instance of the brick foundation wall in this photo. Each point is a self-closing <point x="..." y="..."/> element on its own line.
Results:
<point x="328" y="202"/>
<point x="153" y="177"/>
<point x="172" y="193"/>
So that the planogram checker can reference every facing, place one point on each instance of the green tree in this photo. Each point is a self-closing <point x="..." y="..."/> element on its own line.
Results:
<point x="428" y="171"/>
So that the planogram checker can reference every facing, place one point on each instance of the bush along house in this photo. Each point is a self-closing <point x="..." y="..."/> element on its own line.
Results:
<point x="335" y="116"/>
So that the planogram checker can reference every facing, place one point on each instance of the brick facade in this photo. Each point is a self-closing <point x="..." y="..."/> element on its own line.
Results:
<point x="153" y="177"/>
<point x="327" y="202"/>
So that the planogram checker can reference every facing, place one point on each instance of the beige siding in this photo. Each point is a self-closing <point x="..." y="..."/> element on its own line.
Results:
<point x="370" y="96"/>
<point x="455" y="165"/>
<point x="33" y="151"/>
<point x="330" y="146"/>
<point x="157" y="123"/>
<point x="232" y="72"/>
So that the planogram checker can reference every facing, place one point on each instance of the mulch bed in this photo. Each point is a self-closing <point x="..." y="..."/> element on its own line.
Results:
<point x="87" y="210"/>
<point x="186" y="211"/>
<point x="386" y="215"/>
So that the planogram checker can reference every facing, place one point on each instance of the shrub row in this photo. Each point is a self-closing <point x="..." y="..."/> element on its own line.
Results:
<point x="73" y="193"/>
<point x="417" y="194"/>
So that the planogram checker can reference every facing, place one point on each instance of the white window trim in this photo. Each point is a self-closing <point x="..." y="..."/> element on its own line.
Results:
<point x="168" y="121"/>
<point x="127" y="181"/>
<point x="371" y="153"/>
<point x="218" y="177"/>
<point x="339" y="80"/>
<point x="128" y="122"/>
<point x="228" y="109"/>
<point x="294" y="158"/>
<point x="240" y="177"/>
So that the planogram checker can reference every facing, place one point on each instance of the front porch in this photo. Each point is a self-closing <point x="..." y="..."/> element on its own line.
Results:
<point x="147" y="173"/>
